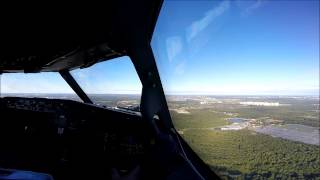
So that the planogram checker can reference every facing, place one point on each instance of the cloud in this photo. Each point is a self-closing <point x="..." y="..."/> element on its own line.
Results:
<point x="197" y="26"/>
<point x="180" y="68"/>
<point x="253" y="7"/>
<point x="174" y="47"/>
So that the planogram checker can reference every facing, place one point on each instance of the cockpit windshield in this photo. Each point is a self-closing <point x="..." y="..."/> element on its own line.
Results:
<point x="112" y="83"/>
<point x="43" y="85"/>
<point x="241" y="80"/>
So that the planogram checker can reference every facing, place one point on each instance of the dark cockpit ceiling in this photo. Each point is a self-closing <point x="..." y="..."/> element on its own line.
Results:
<point x="39" y="37"/>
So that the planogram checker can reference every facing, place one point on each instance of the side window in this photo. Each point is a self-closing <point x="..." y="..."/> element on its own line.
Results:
<point x="241" y="80"/>
<point x="114" y="83"/>
<point x="44" y="85"/>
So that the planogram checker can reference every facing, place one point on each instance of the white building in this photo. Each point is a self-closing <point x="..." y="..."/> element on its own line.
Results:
<point x="260" y="103"/>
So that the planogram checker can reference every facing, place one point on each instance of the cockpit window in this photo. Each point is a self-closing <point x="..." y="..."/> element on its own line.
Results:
<point x="43" y="85"/>
<point x="112" y="83"/>
<point x="241" y="80"/>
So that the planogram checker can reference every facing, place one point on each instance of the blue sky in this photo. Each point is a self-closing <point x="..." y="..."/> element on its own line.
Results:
<point x="117" y="76"/>
<point x="238" y="47"/>
<point x="212" y="47"/>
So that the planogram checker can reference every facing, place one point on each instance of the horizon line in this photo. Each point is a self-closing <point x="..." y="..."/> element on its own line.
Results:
<point x="174" y="94"/>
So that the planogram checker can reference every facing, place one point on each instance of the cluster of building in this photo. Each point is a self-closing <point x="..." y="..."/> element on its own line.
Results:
<point x="252" y="103"/>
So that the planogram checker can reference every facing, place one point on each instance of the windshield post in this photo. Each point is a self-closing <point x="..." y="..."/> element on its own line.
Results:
<point x="152" y="100"/>
<point x="75" y="86"/>
<point x="0" y="83"/>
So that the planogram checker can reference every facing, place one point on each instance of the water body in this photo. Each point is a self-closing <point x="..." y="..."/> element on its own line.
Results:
<point x="236" y="124"/>
<point x="237" y="120"/>
<point x="293" y="132"/>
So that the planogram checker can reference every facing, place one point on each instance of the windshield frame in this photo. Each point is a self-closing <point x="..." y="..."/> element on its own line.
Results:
<point x="125" y="95"/>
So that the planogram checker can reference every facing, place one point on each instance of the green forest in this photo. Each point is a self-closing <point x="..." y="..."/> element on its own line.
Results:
<point x="244" y="153"/>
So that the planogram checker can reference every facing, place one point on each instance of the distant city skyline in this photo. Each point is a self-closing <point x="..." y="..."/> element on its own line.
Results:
<point x="211" y="48"/>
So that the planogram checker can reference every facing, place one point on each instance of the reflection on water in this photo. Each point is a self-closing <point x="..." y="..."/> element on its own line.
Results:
<point x="294" y="132"/>
<point x="237" y="120"/>
<point x="236" y="124"/>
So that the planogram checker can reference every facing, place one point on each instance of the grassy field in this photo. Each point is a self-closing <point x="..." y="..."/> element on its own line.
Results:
<point x="198" y="118"/>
